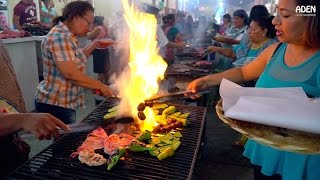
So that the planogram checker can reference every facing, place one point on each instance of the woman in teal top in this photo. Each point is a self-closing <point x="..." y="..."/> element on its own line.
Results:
<point x="235" y="33"/>
<point x="295" y="64"/>
<point x="278" y="74"/>
<point x="48" y="11"/>
<point x="261" y="34"/>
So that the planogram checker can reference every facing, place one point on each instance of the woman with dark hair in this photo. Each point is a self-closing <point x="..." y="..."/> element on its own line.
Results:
<point x="258" y="11"/>
<point x="101" y="57"/>
<point x="225" y="62"/>
<point x="164" y="22"/>
<point x="61" y="92"/>
<point x="173" y="35"/>
<point x="261" y="35"/>
<point x="163" y="42"/>
<point x="226" y="24"/>
<point x="295" y="63"/>
<point x="235" y="33"/>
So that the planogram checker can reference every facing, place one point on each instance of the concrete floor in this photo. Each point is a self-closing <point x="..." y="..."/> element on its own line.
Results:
<point x="219" y="159"/>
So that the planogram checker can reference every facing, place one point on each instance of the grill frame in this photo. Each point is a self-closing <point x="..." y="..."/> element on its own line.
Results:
<point x="136" y="165"/>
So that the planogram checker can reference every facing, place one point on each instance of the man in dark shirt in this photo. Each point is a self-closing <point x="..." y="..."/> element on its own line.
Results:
<point x="24" y="12"/>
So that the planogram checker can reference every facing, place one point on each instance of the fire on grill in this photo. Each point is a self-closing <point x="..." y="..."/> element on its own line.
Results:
<point x="54" y="162"/>
<point x="137" y="83"/>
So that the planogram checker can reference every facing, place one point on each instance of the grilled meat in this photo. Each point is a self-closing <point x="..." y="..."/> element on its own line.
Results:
<point x="91" y="159"/>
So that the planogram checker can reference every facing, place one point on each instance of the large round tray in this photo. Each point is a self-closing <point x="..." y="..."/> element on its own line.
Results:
<point x="5" y="104"/>
<point x="279" y="138"/>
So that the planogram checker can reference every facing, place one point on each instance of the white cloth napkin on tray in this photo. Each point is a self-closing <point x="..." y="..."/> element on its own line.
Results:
<point x="282" y="107"/>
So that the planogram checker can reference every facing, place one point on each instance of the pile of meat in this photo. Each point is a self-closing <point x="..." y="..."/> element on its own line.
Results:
<point x="181" y="68"/>
<point x="99" y="139"/>
<point x="36" y="29"/>
<point x="7" y="33"/>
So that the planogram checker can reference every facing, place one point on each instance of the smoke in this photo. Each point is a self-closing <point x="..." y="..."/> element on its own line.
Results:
<point x="120" y="52"/>
<point x="119" y="31"/>
<point x="200" y="31"/>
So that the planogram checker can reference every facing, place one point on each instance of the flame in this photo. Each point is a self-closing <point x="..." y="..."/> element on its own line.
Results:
<point x="146" y="66"/>
<point x="149" y="123"/>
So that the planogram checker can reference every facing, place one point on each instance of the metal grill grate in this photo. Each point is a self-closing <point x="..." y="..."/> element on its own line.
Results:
<point x="55" y="163"/>
<point x="189" y="74"/>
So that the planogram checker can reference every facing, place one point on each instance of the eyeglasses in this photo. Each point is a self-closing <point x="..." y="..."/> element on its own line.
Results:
<point x="90" y="24"/>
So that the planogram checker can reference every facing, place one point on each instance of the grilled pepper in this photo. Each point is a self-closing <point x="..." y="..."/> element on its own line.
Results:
<point x="169" y="110"/>
<point x="182" y="120"/>
<point x="135" y="147"/>
<point x="154" y="141"/>
<point x="184" y="116"/>
<point x="175" y="145"/>
<point x="113" y="160"/>
<point x="176" y="114"/>
<point x="159" y="106"/>
<point x="154" y="152"/>
<point x="145" y="136"/>
<point x="166" y="153"/>
<point x="177" y="134"/>
<point x="161" y="120"/>
<point x="115" y="108"/>
<point x="110" y="115"/>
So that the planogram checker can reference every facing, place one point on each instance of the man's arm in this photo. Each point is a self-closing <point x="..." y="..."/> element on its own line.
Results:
<point x="16" y="23"/>
<point x="42" y="125"/>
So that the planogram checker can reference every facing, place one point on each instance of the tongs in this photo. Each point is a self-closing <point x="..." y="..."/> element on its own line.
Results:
<point x="74" y="127"/>
<point x="160" y="98"/>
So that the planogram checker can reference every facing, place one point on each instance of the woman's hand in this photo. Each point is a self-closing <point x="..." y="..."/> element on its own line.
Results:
<point x="219" y="39"/>
<point x="42" y="125"/>
<point x="197" y="85"/>
<point x="106" y="91"/>
<point x="103" y="43"/>
<point x="213" y="49"/>
<point x="181" y="45"/>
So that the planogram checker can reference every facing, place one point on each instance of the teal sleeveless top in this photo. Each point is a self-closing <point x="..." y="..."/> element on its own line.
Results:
<point x="291" y="166"/>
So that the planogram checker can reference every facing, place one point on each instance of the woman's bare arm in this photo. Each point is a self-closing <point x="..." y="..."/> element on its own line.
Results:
<point x="90" y="48"/>
<point x="224" y="51"/>
<point x="251" y="71"/>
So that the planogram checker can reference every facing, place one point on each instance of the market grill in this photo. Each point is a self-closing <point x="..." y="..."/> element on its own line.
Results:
<point x="187" y="76"/>
<point x="55" y="163"/>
